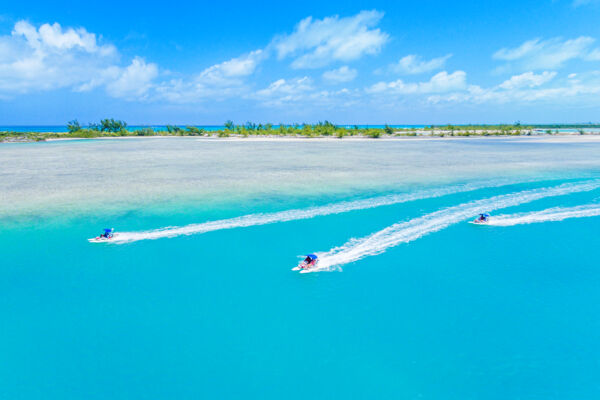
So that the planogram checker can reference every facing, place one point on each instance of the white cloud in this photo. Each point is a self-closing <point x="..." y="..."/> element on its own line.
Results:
<point x="594" y="55"/>
<point x="314" y="43"/>
<point x="301" y="91"/>
<point x="317" y="43"/>
<point x="439" y="83"/>
<point x="134" y="81"/>
<point x="290" y="87"/>
<point x="523" y="50"/>
<point x="232" y="69"/>
<point x="47" y="57"/>
<point x="219" y="81"/>
<point x="584" y="90"/>
<point x="342" y="74"/>
<point x="527" y="79"/>
<point x="50" y="57"/>
<point x="413" y="64"/>
<point x="52" y="38"/>
<point x="546" y="54"/>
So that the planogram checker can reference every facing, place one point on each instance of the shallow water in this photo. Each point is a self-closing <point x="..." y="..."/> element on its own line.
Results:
<point x="455" y="311"/>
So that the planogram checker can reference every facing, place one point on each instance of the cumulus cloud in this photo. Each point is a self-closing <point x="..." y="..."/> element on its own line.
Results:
<point x="527" y="79"/>
<point x="302" y="92"/>
<point x="314" y="43"/>
<point x="286" y="91"/>
<point x="439" y="83"/>
<point x="48" y="56"/>
<point x="52" y="38"/>
<point x="552" y="53"/>
<point x="318" y="42"/>
<point x="290" y="87"/>
<point x="340" y="75"/>
<point x="413" y="64"/>
<point x="527" y="89"/>
<point x="53" y="57"/>
<point x="233" y="69"/>
<point x="134" y="81"/>
<point x="219" y="81"/>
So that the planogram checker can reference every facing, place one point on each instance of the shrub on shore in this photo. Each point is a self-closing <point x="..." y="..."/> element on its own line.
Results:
<point x="10" y="136"/>
<point x="194" y="131"/>
<point x="174" y="130"/>
<point x="85" y="133"/>
<point x="73" y="126"/>
<point x="148" y="131"/>
<point x="112" y="125"/>
<point x="109" y="127"/>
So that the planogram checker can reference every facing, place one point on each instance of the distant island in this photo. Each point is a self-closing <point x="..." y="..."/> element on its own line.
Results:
<point x="111" y="128"/>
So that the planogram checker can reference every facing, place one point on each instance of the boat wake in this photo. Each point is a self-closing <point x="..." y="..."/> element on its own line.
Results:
<point x="549" y="215"/>
<point x="404" y="232"/>
<point x="307" y="213"/>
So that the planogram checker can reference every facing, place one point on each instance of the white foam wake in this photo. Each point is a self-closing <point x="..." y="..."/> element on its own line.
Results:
<point x="404" y="232"/>
<point x="306" y="213"/>
<point x="551" y="214"/>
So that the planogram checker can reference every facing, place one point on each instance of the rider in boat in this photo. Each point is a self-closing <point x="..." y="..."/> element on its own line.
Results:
<point x="483" y="217"/>
<point x="108" y="233"/>
<point x="309" y="261"/>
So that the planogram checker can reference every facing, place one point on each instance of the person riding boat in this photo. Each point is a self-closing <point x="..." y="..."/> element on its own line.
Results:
<point x="309" y="261"/>
<point x="483" y="218"/>
<point x="108" y="233"/>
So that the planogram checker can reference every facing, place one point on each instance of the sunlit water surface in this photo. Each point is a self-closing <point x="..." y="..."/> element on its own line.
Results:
<point x="414" y="302"/>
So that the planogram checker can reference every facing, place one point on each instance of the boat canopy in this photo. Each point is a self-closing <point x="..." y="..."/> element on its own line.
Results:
<point x="108" y="230"/>
<point x="312" y="256"/>
<point x="485" y="215"/>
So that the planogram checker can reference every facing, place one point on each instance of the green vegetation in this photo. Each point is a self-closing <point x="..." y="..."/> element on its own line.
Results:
<point x="9" y="136"/>
<point x="73" y="126"/>
<point x="110" y="127"/>
<point x="194" y="131"/>
<point x="145" y="132"/>
<point x="229" y="125"/>
<point x="175" y="130"/>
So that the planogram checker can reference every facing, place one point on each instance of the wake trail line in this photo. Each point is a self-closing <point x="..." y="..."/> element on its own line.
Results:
<point x="306" y="213"/>
<point x="548" y="215"/>
<point x="404" y="232"/>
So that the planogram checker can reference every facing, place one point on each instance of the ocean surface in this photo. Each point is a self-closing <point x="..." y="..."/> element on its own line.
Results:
<point x="195" y="297"/>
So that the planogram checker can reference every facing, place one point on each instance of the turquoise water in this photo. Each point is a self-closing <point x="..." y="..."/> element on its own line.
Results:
<point x="442" y="311"/>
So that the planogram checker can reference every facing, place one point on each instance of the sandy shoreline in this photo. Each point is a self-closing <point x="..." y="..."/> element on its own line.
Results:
<point x="555" y="138"/>
<point x="558" y="138"/>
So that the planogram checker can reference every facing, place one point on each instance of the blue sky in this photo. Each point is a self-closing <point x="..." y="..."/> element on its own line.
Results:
<point x="345" y="61"/>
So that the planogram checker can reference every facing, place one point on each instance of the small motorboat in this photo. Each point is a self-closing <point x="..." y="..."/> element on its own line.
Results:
<point x="482" y="219"/>
<point x="309" y="262"/>
<point x="107" y="235"/>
